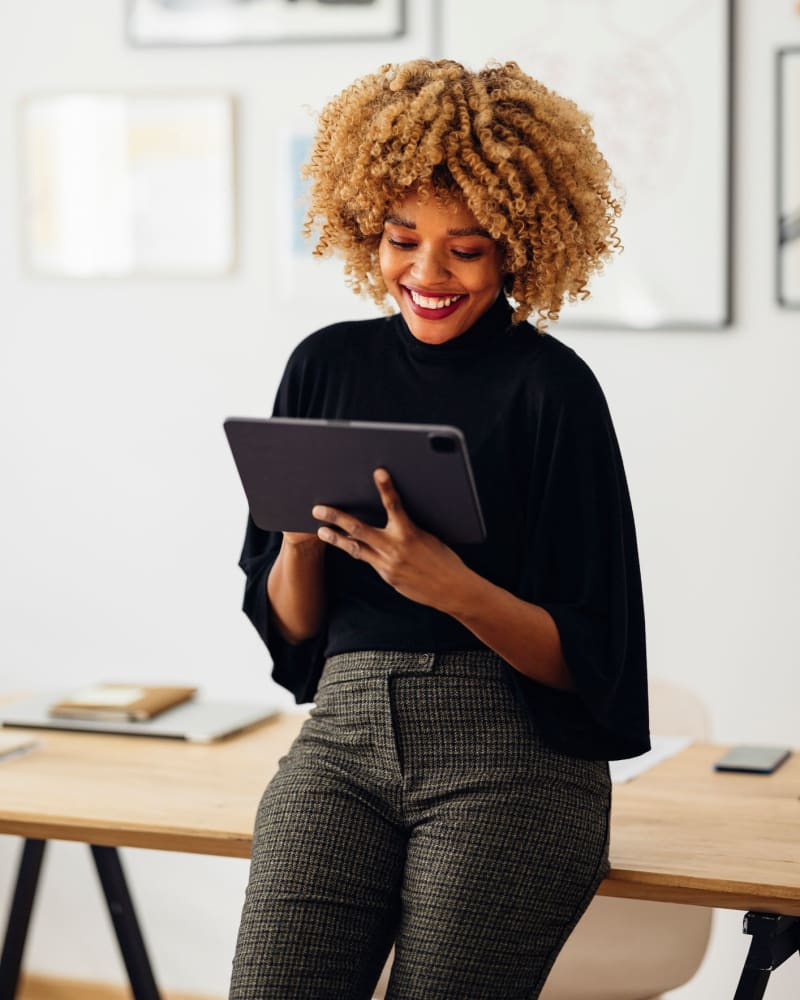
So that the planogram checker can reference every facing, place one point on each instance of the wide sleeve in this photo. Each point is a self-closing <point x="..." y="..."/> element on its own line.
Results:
<point x="580" y="563"/>
<point x="296" y="666"/>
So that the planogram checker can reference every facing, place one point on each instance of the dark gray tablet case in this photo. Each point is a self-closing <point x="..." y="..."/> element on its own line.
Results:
<point x="288" y="465"/>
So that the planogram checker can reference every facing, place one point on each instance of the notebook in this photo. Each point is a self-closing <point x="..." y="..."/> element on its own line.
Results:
<point x="198" y="720"/>
<point x="123" y="702"/>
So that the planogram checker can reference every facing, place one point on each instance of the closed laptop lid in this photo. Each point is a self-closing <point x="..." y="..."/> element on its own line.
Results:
<point x="199" y="720"/>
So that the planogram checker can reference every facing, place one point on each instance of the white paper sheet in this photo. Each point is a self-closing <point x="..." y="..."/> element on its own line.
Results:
<point x="662" y="748"/>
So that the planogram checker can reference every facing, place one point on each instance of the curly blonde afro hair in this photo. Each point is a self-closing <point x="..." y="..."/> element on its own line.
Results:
<point x="521" y="158"/>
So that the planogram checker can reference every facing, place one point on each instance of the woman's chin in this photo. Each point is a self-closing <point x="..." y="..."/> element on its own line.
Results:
<point x="434" y="330"/>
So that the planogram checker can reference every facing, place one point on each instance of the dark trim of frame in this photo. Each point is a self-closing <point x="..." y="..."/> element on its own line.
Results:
<point x="401" y="30"/>
<point x="730" y="226"/>
<point x="780" y="62"/>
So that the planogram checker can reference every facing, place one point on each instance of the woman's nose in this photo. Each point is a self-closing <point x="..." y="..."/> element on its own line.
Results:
<point x="429" y="265"/>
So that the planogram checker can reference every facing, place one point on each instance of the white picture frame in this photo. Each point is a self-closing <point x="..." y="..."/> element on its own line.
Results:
<point x="259" y="22"/>
<point x="302" y="277"/>
<point x="656" y="79"/>
<point x="123" y="185"/>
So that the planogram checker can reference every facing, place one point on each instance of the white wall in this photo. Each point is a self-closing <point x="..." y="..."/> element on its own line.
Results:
<point x="122" y="517"/>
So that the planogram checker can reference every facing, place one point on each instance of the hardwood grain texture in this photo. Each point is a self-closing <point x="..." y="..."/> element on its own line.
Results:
<point x="33" y="987"/>
<point x="686" y="833"/>
<point x="681" y="832"/>
<point x="143" y="791"/>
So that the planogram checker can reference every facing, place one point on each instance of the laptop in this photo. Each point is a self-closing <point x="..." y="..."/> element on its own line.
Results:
<point x="197" y="721"/>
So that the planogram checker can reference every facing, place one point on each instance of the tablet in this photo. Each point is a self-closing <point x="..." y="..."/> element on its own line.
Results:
<point x="288" y="465"/>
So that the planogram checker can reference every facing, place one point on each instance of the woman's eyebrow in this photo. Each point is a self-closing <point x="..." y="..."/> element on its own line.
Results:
<point x="469" y="231"/>
<point x="396" y="220"/>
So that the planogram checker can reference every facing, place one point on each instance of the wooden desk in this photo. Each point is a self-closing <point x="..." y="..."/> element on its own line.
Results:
<point x="134" y="791"/>
<point x="685" y="833"/>
<point x="680" y="833"/>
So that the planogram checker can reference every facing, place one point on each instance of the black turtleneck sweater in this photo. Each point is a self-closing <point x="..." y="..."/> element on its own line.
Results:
<point x="552" y="487"/>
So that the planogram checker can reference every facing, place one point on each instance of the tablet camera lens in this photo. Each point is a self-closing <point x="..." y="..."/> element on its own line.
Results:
<point x="441" y="443"/>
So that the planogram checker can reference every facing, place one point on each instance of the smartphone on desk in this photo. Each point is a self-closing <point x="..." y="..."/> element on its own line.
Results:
<point x="753" y="759"/>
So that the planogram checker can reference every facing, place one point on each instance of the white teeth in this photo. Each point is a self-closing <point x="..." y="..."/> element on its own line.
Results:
<point x="428" y="303"/>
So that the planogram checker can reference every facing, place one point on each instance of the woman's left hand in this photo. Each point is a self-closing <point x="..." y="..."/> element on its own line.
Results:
<point x="414" y="562"/>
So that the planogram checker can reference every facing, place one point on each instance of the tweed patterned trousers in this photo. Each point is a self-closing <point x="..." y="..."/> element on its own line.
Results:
<point x="418" y="806"/>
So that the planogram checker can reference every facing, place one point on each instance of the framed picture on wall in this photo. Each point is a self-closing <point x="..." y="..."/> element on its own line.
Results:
<point x="117" y="185"/>
<point x="655" y="79"/>
<point x="788" y="186"/>
<point x="299" y="275"/>
<point x="240" y="22"/>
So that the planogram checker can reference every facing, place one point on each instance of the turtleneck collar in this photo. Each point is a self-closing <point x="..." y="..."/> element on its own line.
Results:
<point x="474" y="341"/>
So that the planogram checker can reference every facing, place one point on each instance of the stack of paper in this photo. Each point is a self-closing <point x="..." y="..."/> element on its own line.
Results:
<point x="662" y="747"/>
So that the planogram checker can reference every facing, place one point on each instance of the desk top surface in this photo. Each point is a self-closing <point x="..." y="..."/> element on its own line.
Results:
<point x="681" y="832"/>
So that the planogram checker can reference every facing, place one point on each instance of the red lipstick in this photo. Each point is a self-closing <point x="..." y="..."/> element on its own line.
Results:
<point x="440" y="313"/>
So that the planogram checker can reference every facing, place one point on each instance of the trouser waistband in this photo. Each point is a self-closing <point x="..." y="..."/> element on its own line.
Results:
<point x="383" y="662"/>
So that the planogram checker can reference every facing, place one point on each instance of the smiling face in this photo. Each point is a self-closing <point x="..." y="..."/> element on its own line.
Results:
<point x="443" y="270"/>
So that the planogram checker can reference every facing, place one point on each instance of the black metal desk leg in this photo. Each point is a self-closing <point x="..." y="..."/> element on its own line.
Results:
<point x="120" y="906"/>
<point x="752" y="984"/>
<point x="775" y="938"/>
<point x="18" y="919"/>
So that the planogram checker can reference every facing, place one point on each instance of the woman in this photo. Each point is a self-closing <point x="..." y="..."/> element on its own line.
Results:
<point x="450" y="791"/>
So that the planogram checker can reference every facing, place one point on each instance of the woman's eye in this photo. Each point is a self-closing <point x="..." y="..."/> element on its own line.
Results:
<point x="399" y="244"/>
